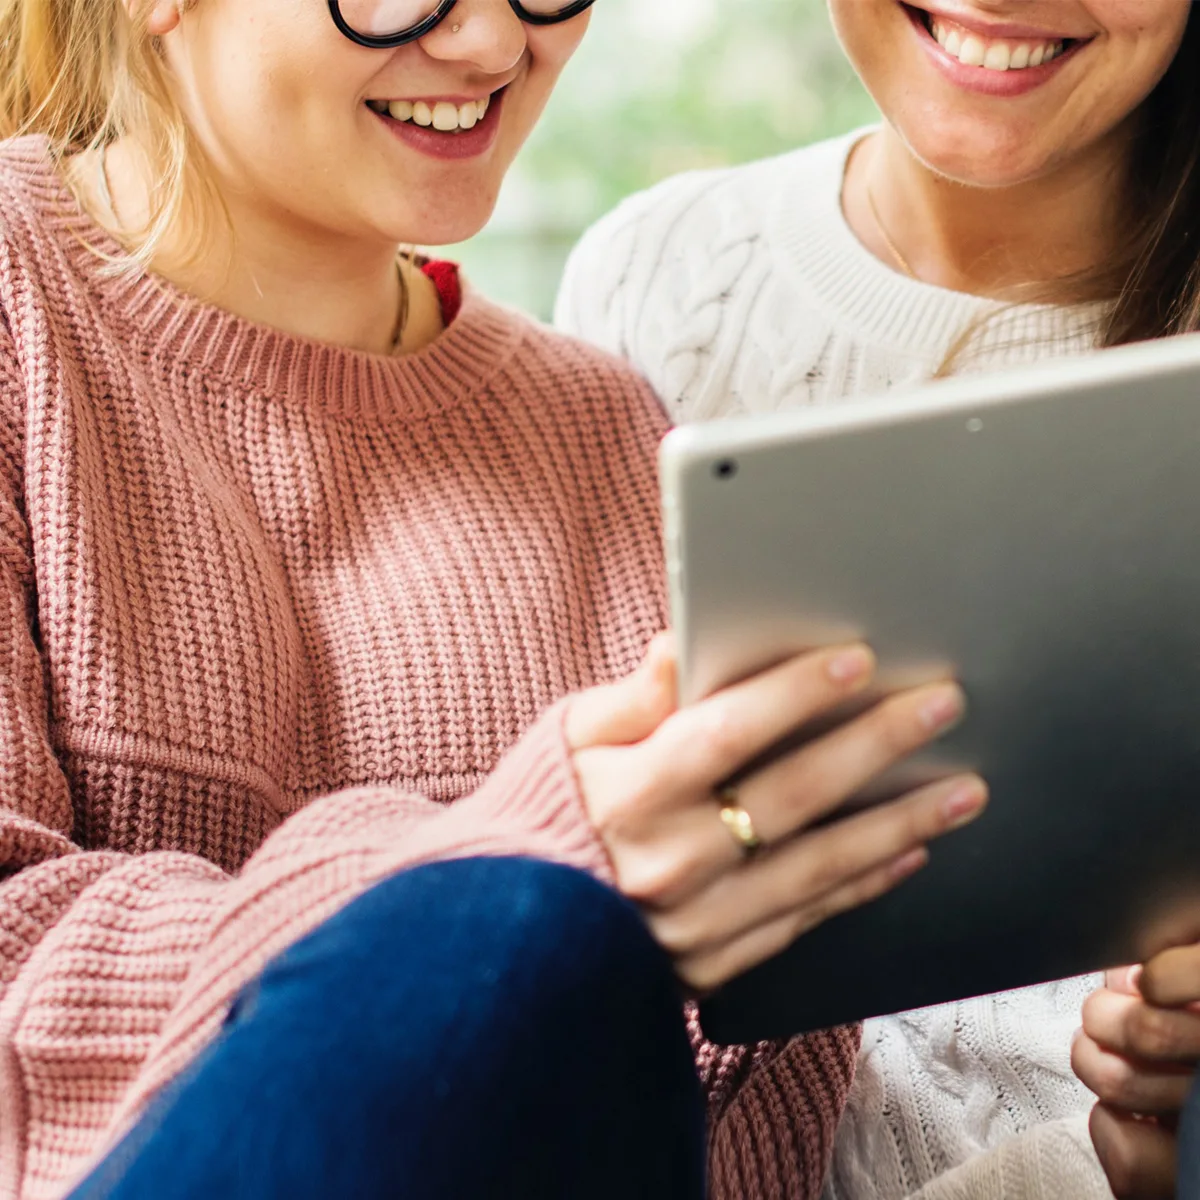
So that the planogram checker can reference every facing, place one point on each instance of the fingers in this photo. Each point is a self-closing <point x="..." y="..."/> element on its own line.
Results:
<point x="1127" y="1025"/>
<point x="1124" y="980"/>
<point x="829" y="859"/>
<point x="1139" y="1157"/>
<point x="711" y="741"/>
<point x="649" y="776"/>
<point x="814" y="781"/>
<point x="631" y="709"/>
<point x="774" y="899"/>
<point x="707" y="969"/>
<point x="1126" y="1086"/>
<point x="1172" y="979"/>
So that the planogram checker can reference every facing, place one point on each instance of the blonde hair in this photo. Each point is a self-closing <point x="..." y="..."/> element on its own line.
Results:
<point x="84" y="73"/>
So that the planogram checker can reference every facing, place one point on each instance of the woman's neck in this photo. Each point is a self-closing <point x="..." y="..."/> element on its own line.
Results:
<point x="269" y="272"/>
<point x="983" y="241"/>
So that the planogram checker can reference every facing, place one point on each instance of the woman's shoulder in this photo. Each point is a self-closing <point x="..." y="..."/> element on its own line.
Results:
<point x="686" y="206"/>
<point x="696" y="229"/>
<point x="44" y="234"/>
<point x="31" y="188"/>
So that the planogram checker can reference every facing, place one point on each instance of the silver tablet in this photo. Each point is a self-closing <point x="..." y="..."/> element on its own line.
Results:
<point x="1037" y="535"/>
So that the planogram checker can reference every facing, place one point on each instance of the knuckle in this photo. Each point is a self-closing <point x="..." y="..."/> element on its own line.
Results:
<point x="703" y="976"/>
<point x="654" y="879"/>
<point x="673" y="933"/>
<point x="1113" y="1080"/>
<point x="916" y="821"/>
<point x="836" y="866"/>
<point x="725" y="733"/>
<point x="899" y="727"/>
<point x="1153" y="1033"/>
<point x="1091" y="1013"/>
<point x="1081" y="1060"/>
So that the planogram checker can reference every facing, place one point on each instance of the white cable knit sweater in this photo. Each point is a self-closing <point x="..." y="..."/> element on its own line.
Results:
<point x="745" y="290"/>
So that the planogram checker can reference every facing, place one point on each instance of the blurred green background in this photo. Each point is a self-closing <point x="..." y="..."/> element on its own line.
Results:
<point x="660" y="86"/>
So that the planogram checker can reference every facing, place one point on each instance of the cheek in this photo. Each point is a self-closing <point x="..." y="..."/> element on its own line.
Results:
<point x="866" y="29"/>
<point x="275" y="119"/>
<point x="551" y="47"/>
<point x="273" y="69"/>
<point x="1144" y="38"/>
<point x="876" y="37"/>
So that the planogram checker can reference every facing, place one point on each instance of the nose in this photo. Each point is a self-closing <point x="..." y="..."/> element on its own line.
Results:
<point x="490" y="36"/>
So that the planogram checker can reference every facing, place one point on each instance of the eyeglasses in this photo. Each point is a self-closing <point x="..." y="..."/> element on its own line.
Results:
<point x="384" y="24"/>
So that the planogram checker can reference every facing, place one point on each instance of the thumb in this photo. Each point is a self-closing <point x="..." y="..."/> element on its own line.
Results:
<point x="629" y="710"/>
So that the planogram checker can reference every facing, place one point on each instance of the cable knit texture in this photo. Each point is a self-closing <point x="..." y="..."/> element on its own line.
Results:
<point x="744" y="290"/>
<point x="280" y="619"/>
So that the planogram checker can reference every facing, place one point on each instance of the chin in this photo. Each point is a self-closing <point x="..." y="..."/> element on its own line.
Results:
<point x="975" y="159"/>
<point x="456" y="216"/>
<point x="448" y="232"/>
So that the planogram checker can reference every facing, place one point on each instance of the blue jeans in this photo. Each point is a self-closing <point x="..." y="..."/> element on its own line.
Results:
<point x="479" y="1028"/>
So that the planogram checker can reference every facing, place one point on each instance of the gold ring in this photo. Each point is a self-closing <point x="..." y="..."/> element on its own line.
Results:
<point x="739" y="823"/>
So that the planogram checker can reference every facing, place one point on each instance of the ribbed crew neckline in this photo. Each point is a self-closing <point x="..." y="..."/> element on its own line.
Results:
<point x="820" y="253"/>
<point x="177" y="334"/>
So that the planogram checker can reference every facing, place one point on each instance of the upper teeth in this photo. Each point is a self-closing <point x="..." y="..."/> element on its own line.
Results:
<point x="442" y="116"/>
<point x="974" y="51"/>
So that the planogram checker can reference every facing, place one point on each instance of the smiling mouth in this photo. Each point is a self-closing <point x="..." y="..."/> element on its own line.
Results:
<point x="440" y="116"/>
<point x="972" y="49"/>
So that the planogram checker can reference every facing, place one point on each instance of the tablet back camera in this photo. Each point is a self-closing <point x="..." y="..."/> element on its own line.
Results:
<point x="725" y="468"/>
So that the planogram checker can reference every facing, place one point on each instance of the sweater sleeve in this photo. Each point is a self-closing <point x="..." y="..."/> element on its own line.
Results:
<point x="116" y="968"/>
<point x="773" y="1111"/>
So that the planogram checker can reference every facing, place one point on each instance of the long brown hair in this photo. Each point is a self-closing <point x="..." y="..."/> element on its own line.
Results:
<point x="1154" y="277"/>
<point x="1149" y="286"/>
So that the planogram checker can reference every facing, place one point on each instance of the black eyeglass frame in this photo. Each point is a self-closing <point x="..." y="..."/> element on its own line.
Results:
<point x="391" y="40"/>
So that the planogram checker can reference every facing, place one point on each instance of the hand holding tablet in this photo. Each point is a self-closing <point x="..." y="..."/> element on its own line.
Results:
<point x="729" y="873"/>
<point x="1035" y="536"/>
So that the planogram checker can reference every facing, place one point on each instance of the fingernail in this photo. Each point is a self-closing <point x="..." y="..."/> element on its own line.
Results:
<point x="943" y="709"/>
<point x="963" y="805"/>
<point x="850" y="665"/>
<point x="909" y="864"/>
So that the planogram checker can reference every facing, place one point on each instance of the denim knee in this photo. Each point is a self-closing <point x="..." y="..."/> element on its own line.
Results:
<point x="477" y="924"/>
<point x="477" y="1027"/>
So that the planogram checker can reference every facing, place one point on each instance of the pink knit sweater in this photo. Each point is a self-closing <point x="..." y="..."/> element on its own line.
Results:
<point x="277" y="619"/>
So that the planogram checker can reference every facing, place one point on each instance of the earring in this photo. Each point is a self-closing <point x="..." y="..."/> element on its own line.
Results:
<point x="455" y="28"/>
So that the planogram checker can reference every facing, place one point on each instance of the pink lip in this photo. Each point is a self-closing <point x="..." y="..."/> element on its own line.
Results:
<point x="1001" y="84"/>
<point x="450" y="147"/>
<point x="996" y="32"/>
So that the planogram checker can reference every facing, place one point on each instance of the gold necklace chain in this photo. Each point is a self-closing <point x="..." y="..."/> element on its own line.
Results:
<point x="402" y="312"/>
<point x="895" y="250"/>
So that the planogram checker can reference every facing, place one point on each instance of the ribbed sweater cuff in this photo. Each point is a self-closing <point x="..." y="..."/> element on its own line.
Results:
<point x="535" y="796"/>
